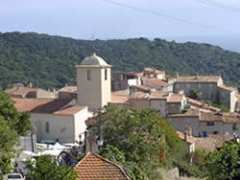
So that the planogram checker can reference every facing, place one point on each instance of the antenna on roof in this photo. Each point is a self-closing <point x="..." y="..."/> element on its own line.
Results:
<point x="94" y="49"/>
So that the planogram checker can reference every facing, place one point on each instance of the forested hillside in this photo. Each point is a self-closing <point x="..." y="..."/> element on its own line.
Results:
<point x="48" y="61"/>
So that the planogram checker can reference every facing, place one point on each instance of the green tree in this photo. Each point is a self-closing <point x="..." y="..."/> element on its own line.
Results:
<point x="224" y="164"/>
<point x="45" y="168"/>
<point x="12" y="125"/>
<point x="142" y="136"/>
<point x="19" y="122"/>
<point x="8" y="139"/>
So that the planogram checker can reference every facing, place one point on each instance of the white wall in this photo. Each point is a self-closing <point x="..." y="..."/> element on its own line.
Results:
<point x="60" y="127"/>
<point x="79" y="123"/>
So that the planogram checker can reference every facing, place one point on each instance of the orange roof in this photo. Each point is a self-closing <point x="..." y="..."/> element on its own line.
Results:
<point x="175" y="98"/>
<point x="69" y="110"/>
<point x="119" y="97"/>
<point x="27" y="104"/>
<point x="95" y="167"/>
<point x="50" y="106"/>
<point x="154" y="83"/>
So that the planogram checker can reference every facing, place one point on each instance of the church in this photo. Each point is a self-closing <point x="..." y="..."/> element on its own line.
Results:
<point x="63" y="119"/>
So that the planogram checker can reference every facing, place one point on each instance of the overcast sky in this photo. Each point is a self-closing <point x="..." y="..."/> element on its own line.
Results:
<point x="108" y="19"/>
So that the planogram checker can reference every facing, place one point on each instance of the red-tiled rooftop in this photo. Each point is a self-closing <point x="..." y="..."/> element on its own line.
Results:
<point x="154" y="83"/>
<point x="95" y="167"/>
<point x="27" y="104"/>
<point x="51" y="106"/>
<point x="69" y="110"/>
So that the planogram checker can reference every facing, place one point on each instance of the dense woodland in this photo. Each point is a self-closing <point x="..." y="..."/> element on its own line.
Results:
<point x="48" y="61"/>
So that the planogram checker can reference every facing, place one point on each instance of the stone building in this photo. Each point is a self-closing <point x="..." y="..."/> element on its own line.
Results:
<point x="206" y="123"/>
<point x="94" y="83"/>
<point x="55" y="119"/>
<point x="208" y="88"/>
<point x="63" y="118"/>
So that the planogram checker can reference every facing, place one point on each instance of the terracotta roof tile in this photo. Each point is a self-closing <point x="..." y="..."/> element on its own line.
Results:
<point x="154" y="83"/>
<point x="51" y="106"/>
<point x="175" y="98"/>
<point x="95" y="167"/>
<point x="69" y="110"/>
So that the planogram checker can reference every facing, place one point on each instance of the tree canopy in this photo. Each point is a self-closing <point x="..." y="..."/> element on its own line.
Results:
<point x="45" y="168"/>
<point x="49" y="61"/>
<point x="12" y="125"/>
<point x="139" y="139"/>
<point x="224" y="164"/>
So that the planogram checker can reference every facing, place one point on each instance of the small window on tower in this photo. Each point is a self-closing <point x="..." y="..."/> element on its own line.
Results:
<point x="88" y="75"/>
<point x="106" y="73"/>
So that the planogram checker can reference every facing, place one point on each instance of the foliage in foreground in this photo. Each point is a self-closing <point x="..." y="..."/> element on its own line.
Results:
<point x="139" y="139"/>
<point x="12" y="125"/>
<point x="45" y="168"/>
<point x="224" y="164"/>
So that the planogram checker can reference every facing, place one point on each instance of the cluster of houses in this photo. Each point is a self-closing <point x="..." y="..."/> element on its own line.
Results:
<point x="187" y="102"/>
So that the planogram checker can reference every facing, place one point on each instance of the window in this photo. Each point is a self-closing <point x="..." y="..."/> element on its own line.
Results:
<point x="105" y="74"/>
<point x="47" y="127"/>
<point x="210" y="123"/>
<point x="215" y="132"/>
<point x="234" y="127"/>
<point x="88" y="75"/>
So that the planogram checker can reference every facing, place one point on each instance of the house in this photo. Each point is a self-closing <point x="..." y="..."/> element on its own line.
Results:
<point x="63" y="119"/>
<point x="207" y="88"/>
<point x="95" y="167"/>
<point x="154" y="73"/>
<point x="55" y="119"/>
<point x="204" y="123"/>
<point x="163" y="102"/>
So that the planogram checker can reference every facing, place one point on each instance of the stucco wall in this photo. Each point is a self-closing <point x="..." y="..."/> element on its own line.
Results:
<point x="182" y="123"/>
<point x="208" y="91"/>
<point x="96" y="92"/>
<point x="60" y="127"/>
<point x="79" y="123"/>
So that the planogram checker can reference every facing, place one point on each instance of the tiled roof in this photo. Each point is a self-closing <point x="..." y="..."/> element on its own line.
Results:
<point x="219" y="117"/>
<point x="154" y="83"/>
<point x="95" y="167"/>
<point x="198" y="79"/>
<point x="27" y="104"/>
<point x="49" y="106"/>
<point x="203" y="106"/>
<point x="175" y="98"/>
<point x="69" y="110"/>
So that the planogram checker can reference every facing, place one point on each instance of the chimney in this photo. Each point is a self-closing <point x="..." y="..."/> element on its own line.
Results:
<point x="90" y="143"/>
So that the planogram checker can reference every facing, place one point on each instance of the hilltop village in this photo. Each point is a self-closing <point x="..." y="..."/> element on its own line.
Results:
<point x="203" y="109"/>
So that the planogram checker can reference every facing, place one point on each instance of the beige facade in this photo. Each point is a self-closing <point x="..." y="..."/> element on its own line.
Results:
<point x="64" y="128"/>
<point x="204" y="124"/>
<point x="94" y="83"/>
<point x="209" y="88"/>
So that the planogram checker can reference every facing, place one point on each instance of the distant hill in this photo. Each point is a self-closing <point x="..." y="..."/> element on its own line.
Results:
<point x="49" y="61"/>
